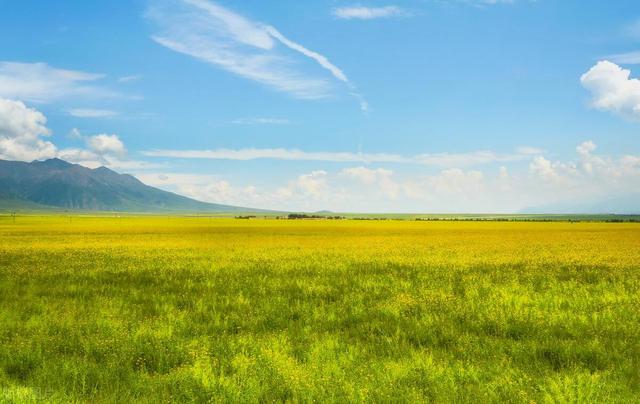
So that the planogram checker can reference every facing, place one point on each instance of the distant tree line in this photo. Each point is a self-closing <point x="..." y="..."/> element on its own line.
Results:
<point x="293" y="216"/>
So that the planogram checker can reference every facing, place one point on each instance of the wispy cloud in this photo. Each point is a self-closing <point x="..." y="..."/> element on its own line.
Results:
<point x="209" y="32"/>
<point x="92" y="113"/>
<point x="275" y="154"/>
<point x="368" y="13"/>
<point x="322" y="60"/>
<point x="261" y="121"/>
<point x="629" y="58"/>
<point x="127" y="79"/>
<point x="438" y="159"/>
<point x="39" y="82"/>
<point x="486" y="3"/>
<point x="528" y="150"/>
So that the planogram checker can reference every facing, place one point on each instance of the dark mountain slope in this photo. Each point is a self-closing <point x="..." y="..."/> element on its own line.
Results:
<point x="57" y="183"/>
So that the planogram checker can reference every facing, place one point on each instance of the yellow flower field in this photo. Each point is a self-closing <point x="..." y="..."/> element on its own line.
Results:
<point x="156" y="309"/>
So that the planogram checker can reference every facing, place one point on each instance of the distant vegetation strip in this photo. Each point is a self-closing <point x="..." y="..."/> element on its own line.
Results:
<point x="607" y="218"/>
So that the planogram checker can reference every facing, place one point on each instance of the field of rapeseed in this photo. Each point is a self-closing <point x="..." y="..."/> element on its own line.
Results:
<point x="177" y="309"/>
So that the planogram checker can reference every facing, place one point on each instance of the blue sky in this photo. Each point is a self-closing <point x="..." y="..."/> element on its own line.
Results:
<point x="410" y="106"/>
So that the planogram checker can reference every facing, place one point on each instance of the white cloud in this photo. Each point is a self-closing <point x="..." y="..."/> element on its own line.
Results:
<point x="368" y="13"/>
<point x="39" y="82"/>
<point x="366" y="175"/>
<point x="436" y="159"/>
<point x="210" y="188"/>
<point x="591" y="172"/>
<point x="467" y="159"/>
<point x="104" y="150"/>
<point x="456" y="181"/>
<point x="544" y="169"/>
<point x="22" y="134"/>
<point x="168" y="179"/>
<point x="106" y="145"/>
<point x="209" y="32"/>
<point x="276" y="154"/>
<point x="92" y="113"/>
<point x="83" y="157"/>
<point x="22" y="131"/>
<point x="613" y="89"/>
<point x="313" y="184"/>
<point x="322" y="60"/>
<point x="585" y="148"/>
<point x="380" y="177"/>
<point x="591" y="177"/>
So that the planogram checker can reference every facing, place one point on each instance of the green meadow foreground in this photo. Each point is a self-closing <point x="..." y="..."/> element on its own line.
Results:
<point x="178" y="309"/>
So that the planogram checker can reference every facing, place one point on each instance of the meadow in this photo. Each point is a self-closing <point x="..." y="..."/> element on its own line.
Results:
<point x="161" y="309"/>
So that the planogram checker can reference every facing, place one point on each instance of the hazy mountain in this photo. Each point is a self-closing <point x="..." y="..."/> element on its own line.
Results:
<point x="628" y="204"/>
<point x="58" y="184"/>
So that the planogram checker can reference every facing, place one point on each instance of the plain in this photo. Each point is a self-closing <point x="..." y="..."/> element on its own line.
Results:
<point x="108" y="309"/>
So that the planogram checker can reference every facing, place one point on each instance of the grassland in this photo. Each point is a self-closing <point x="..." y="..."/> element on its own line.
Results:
<point x="107" y="309"/>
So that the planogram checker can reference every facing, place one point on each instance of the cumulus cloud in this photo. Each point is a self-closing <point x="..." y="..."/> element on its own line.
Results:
<point x="589" y="177"/>
<point x="297" y="194"/>
<point x="103" y="150"/>
<point x="80" y="156"/>
<point x="613" y="89"/>
<point x="366" y="175"/>
<point x="368" y="13"/>
<point x="213" y="190"/>
<point x="455" y="180"/>
<point x="380" y="177"/>
<point x="109" y="145"/>
<point x="544" y="169"/>
<point x="313" y="184"/>
<point x="216" y="35"/>
<point x="590" y="174"/>
<point x="22" y="133"/>
<point x="39" y="82"/>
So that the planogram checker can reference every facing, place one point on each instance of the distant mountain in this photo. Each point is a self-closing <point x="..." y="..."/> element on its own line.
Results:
<point x="628" y="204"/>
<point x="57" y="184"/>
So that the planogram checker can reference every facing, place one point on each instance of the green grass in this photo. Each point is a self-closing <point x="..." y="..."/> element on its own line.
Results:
<point x="100" y="309"/>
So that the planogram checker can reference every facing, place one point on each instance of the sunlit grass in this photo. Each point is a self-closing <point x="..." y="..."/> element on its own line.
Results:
<point x="160" y="309"/>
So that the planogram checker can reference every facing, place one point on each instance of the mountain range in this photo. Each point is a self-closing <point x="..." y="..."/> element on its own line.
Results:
<point x="617" y="205"/>
<point x="57" y="184"/>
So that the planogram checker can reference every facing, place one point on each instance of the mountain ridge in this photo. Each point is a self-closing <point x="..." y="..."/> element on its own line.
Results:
<point x="58" y="184"/>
